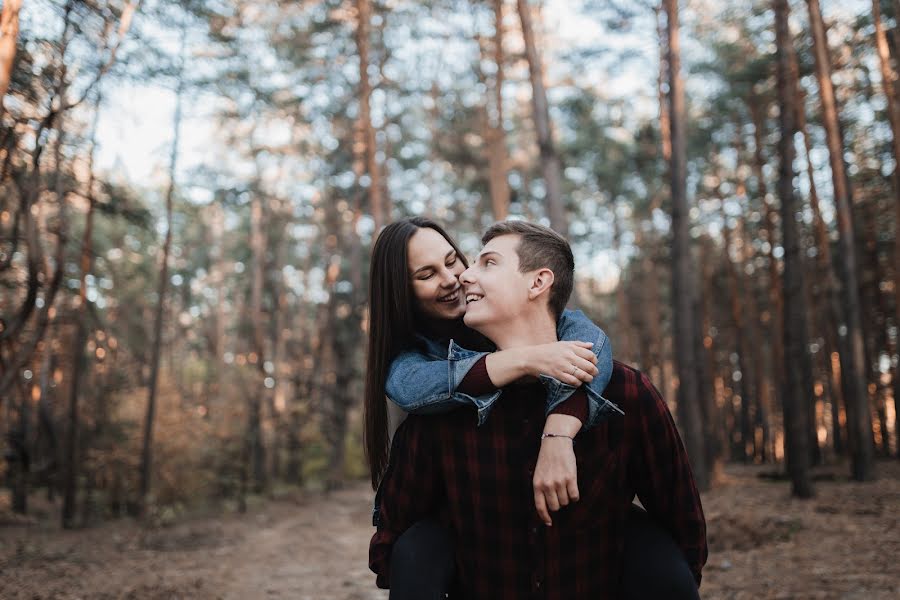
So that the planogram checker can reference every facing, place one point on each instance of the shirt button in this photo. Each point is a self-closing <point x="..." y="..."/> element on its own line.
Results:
<point x="534" y="530"/>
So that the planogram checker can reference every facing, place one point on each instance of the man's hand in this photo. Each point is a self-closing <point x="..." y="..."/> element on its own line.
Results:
<point x="555" y="480"/>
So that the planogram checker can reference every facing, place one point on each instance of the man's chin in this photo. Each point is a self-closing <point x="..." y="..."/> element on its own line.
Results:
<point x="473" y="320"/>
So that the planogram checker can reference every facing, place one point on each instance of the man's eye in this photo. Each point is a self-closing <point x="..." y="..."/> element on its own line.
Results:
<point x="490" y="261"/>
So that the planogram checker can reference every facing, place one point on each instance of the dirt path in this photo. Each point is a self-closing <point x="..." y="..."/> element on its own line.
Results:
<point x="303" y="549"/>
<point x="319" y="552"/>
<point x="842" y="545"/>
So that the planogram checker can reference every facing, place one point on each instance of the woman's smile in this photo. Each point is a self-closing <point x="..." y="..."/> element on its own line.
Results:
<point x="451" y="297"/>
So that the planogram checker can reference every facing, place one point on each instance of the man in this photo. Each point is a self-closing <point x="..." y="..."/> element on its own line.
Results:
<point x="515" y="292"/>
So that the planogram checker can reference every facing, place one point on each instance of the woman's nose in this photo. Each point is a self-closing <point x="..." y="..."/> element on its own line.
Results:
<point x="448" y="278"/>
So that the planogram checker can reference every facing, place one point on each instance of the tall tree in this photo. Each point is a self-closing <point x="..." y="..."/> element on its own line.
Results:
<point x="363" y="44"/>
<point x="825" y="281"/>
<point x="146" y="466"/>
<point x="495" y="135"/>
<point x="746" y="383"/>
<point x="550" y="162"/>
<point x="855" y="393"/>
<point x="798" y="390"/>
<point x="258" y="353"/>
<point x="9" y="34"/>
<point x="81" y="317"/>
<point x="682" y="265"/>
<point x="888" y="84"/>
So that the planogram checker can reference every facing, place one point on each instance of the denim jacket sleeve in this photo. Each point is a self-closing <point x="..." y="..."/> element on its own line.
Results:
<point x="575" y="326"/>
<point x="423" y="384"/>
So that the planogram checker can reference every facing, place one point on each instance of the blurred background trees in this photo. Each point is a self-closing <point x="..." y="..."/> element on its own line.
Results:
<point x="194" y="330"/>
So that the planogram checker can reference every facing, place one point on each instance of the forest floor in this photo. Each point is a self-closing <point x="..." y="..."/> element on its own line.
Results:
<point x="842" y="544"/>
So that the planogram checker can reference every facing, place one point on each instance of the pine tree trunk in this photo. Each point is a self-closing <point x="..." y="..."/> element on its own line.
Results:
<point x="302" y="390"/>
<point x="770" y="218"/>
<point x="46" y="426"/>
<point x="888" y="82"/>
<point x="70" y="481"/>
<point x="855" y="394"/>
<point x="639" y="323"/>
<point x="550" y="162"/>
<point x="712" y="429"/>
<point x="798" y="391"/>
<point x="762" y="397"/>
<point x="376" y="199"/>
<point x="874" y="305"/>
<point x="9" y="33"/>
<point x="736" y="294"/>
<point x="146" y="468"/>
<point x="497" y="155"/>
<point x="255" y="399"/>
<point x="216" y="367"/>
<point x="682" y="273"/>
<point x="665" y="132"/>
<point x="18" y="453"/>
<point x="828" y="286"/>
<point x="79" y="360"/>
<point x="623" y="332"/>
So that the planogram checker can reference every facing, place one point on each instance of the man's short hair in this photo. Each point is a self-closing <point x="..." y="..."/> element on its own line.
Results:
<point x="541" y="247"/>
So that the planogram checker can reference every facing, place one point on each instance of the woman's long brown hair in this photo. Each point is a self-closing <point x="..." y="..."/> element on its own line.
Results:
<point x="392" y="328"/>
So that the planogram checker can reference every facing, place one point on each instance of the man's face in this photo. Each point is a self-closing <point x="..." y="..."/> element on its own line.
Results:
<point x="496" y="292"/>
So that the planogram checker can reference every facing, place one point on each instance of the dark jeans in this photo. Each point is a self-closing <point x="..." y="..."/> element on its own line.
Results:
<point x="422" y="566"/>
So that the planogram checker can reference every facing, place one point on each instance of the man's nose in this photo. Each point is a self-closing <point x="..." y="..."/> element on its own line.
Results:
<point x="466" y="277"/>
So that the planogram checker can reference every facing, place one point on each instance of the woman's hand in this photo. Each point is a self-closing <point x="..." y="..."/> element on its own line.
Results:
<point x="573" y="363"/>
<point x="555" y="480"/>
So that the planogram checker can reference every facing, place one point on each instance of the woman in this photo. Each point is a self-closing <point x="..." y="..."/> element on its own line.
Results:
<point x="416" y="310"/>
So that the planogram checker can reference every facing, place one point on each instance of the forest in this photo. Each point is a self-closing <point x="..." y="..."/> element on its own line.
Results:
<point x="190" y="191"/>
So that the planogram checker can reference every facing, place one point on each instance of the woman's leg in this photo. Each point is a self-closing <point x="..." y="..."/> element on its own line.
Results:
<point x="422" y="565"/>
<point x="654" y="566"/>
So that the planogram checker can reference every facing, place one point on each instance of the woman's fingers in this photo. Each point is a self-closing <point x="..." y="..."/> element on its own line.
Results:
<point x="585" y="367"/>
<point x="568" y="374"/>
<point x="585" y="354"/>
<point x="570" y="379"/>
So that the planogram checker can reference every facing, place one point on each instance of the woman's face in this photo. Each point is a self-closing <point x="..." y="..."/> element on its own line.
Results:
<point x="434" y="268"/>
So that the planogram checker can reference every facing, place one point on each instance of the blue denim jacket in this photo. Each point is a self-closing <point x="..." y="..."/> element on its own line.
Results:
<point x="425" y="381"/>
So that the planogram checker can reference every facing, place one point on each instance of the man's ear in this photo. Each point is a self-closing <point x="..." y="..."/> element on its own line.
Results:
<point x="540" y="283"/>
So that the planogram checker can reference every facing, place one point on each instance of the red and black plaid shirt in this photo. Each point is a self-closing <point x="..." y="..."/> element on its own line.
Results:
<point x="482" y="476"/>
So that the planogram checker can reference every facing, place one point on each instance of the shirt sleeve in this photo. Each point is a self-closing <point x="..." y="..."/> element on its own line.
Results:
<point x="477" y="381"/>
<point x="422" y="384"/>
<point x="409" y="491"/>
<point x="660" y="473"/>
<point x="573" y="326"/>
<point x="575" y="405"/>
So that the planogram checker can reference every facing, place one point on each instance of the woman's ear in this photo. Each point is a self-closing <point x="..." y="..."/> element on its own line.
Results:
<point x="540" y="283"/>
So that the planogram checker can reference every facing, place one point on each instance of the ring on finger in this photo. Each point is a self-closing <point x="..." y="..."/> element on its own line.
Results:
<point x="574" y="370"/>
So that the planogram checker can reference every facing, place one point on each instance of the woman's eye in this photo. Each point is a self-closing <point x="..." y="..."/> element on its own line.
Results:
<point x="452" y="262"/>
<point x="425" y="277"/>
